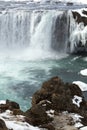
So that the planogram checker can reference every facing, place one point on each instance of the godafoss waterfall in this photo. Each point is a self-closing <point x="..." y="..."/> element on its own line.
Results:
<point x="38" y="41"/>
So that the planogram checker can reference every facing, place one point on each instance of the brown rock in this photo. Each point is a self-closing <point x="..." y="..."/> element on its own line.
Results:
<point x="37" y="115"/>
<point x="12" y="105"/>
<point x="54" y="95"/>
<point x="18" y="112"/>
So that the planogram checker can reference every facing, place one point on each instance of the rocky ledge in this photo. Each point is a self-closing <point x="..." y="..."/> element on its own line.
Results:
<point x="56" y="106"/>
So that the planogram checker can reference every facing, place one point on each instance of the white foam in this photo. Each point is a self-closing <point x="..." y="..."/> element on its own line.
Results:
<point x="82" y="85"/>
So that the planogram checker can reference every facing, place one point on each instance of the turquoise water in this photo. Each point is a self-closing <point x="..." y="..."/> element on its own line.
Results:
<point x="19" y="79"/>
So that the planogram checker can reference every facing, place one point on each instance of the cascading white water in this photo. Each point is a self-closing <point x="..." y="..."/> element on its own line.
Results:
<point x="41" y="38"/>
<point x="14" y="29"/>
<point x="40" y="34"/>
<point x="28" y="31"/>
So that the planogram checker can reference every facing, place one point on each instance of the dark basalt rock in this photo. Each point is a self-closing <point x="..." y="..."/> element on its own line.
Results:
<point x="2" y="125"/>
<point x="80" y="18"/>
<point x="59" y="94"/>
<point x="56" y="95"/>
<point x="9" y="105"/>
<point x="37" y="115"/>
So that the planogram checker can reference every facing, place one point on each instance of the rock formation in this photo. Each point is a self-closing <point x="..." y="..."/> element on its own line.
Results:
<point x="52" y="106"/>
<point x="55" y="97"/>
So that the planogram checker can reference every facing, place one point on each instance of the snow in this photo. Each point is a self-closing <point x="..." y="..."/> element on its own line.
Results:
<point x="2" y="102"/>
<point x="77" y="120"/>
<point x="77" y="100"/>
<point x="83" y="72"/>
<point x="83" y="128"/>
<point x="78" y="124"/>
<point x="50" y="113"/>
<point x="82" y="85"/>
<point x="16" y="122"/>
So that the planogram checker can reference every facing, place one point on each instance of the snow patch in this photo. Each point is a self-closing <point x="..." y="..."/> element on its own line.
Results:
<point x="83" y="72"/>
<point x="77" y="120"/>
<point x="2" y="102"/>
<point x="81" y="85"/>
<point x="77" y="100"/>
<point x="50" y="113"/>
<point x="84" y="128"/>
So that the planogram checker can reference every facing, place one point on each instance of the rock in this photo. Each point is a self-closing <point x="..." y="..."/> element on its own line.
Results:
<point x="48" y="126"/>
<point x="54" y="95"/>
<point x="80" y="18"/>
<point x="12" y="105"/>
<point x="2" y="125"/>
<point x="18" y="112"/>
<point x="37" y="115"/>
<point x="84" y="12"/>
<point x="60" y="95"/>
<point x="9" y="105"/>
<point x="63" y="121"/>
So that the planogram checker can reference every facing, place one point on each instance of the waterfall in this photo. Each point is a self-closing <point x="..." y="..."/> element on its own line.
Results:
<point x="41" y="33"/>
<point x="14" y="29"/>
